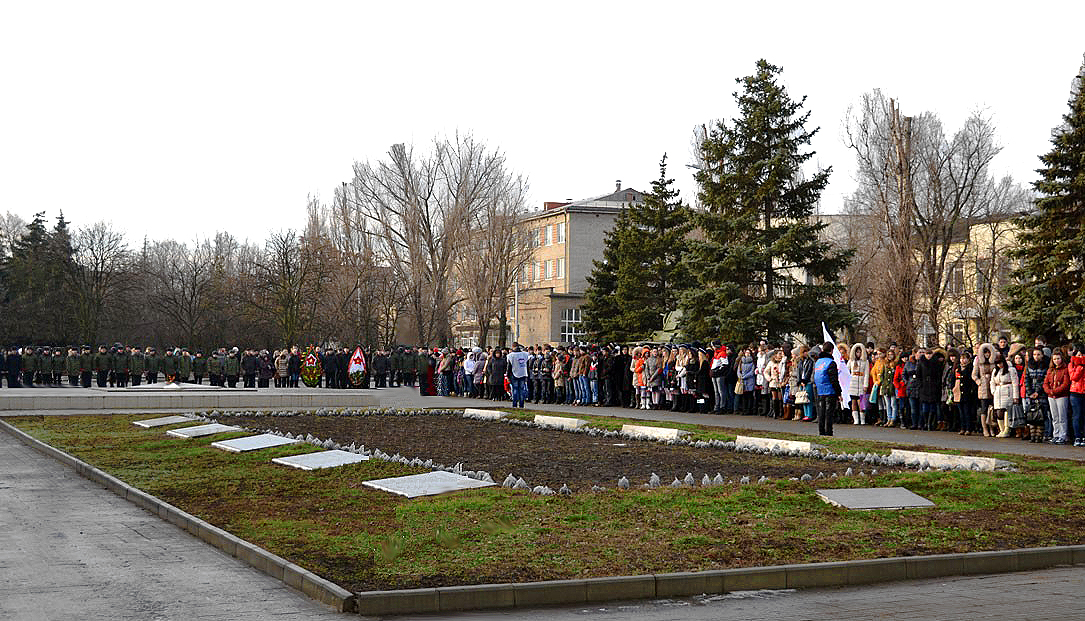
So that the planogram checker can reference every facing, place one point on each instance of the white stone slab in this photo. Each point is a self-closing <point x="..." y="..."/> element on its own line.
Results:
<point x="202" y="430"/>
<point x="560" y="421"/>
<point x="427" y="484"/>
<point x="939" y="460"/>
<point x="866" y="498"/>
<point x="159" y="422"/>
<point x="658" y="433"/>
<point x="253" y="443"/>
<point x="323" y="459"/>
<point x="491" y="414"/>
<point x="770" y="443"/>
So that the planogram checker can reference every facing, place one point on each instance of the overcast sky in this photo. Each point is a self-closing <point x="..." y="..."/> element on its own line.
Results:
<point x="180" y="119"/>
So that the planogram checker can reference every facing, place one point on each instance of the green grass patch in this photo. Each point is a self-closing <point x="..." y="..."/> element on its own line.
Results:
<point x="328" y="522"/>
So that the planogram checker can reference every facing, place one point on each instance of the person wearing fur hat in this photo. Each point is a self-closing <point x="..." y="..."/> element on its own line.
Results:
<point x="1003" y="395"/>
<point x="981" y="373"/>
<point x="859" y="369"/>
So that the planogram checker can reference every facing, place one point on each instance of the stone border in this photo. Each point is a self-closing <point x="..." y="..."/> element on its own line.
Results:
<point x="846" y="573"/>
<point x="29" y="401"/>
<point x="275" y="566"/>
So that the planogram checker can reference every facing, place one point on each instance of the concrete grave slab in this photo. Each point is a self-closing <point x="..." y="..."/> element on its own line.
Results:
<point x="253" y="443"/>
<point x="427" y="484"/>
<point x="159" y="422"/>
<point x="322" y="459"/>
<point x="560" y="421"/>
<point x="491" y="414"/>
<point x="658" y="433"/>
<point x="939" y="460"/>
<point x="771" y="443"/>
<point x="202" y="430"/>
<point x="866" y="498"/>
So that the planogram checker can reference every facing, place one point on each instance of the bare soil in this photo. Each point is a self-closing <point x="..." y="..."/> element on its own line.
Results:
<point x="539" y="456"/>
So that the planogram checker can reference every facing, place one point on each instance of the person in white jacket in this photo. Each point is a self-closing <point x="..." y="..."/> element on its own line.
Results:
<point x="1004" y="393"/>
<point x="859" y="368"/>
<point x="762" y="393"/>
<point x="775" y="378"/>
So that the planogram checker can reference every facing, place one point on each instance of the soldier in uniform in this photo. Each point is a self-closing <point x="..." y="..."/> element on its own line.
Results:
<point x="184" y="367"/>
<point x="30" y="366"/>
<point x="407" y="366"/>
<point x="168" y="366"/>
<point x="250" y="365"/>
<point x="71" y="366"/>
<point x="137" y="365"/>
<point x="45" y="365"/>
<point x="101" y="364"/>
<point x="232" y="367"/>
<point x="153" y="363"/>
<point x="86" y="366"/>
<point x="59" y="365"/>
<point x="120" y="365"/>
<point x="199" y="367"/>
<point x="215" y="367"/>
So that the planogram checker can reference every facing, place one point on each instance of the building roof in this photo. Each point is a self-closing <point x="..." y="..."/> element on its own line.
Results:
<point x="606" y="203"/>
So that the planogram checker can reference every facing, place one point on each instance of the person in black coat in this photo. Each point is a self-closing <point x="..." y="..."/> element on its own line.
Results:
<point x="293" y="368"/>
<point x="342" y="366"/>
<point x="330" y="364"/>
<point x="929" y="373"/>
<point x="13" y="367"/>
<point x="704" y="383"/>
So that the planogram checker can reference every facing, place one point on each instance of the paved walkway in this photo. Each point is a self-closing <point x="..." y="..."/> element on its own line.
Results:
<point x="406" y="397"/>
<point x="69" y="549"/>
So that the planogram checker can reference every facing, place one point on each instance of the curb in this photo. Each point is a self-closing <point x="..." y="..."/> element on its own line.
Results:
<point x="558" y="592"/>
<point x="686" y="584"/>
<point x="275" y="566"/>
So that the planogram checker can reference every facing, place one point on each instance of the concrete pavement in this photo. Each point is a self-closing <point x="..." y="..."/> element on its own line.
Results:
<point x="70" y="549"/>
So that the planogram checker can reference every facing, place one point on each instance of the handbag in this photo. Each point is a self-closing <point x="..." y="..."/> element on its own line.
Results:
<point x="1034" y="415"/>
<point x="740" y="388"/>
<point x="874" y="393"/>
<point x="802" y="397"/>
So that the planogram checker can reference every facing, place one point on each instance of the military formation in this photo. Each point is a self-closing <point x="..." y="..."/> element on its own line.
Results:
<point x="119" y="366"/>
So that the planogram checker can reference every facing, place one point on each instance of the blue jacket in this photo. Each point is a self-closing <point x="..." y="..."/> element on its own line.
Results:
<point x="825" y="376"/>
<point x="747" y="373"/>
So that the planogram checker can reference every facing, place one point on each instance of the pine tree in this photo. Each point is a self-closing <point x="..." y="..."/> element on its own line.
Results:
<point x="641" y="274"/>
<point x="760" y="269"/>
<point x="1048" y="297"/>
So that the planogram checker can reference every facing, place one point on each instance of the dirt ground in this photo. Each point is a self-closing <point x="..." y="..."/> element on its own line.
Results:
<point x="539" y="456"/>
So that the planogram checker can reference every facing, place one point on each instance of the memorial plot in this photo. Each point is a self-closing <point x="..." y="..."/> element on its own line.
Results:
<point x="323" y="459"/>
<point x="252" y="443"/>
<point x="161" y="422"/>
<point x="426" y="484"/>
<point x="202" y="430"/>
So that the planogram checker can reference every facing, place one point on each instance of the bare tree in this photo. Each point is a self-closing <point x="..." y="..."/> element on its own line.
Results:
<point x="179" y="288"/>
<point x="11" y="227"/>
<point x="100" y="274"/>
<point x="420" y="207"/>
<point x="925" y="191"/>
<point x="496" y="251"/>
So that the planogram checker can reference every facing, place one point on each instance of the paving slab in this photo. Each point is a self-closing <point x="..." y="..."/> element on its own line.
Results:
<point x="491" y="414"/>
<point x="253" y="443"/>
<point x="162" y="421"/>
<point x="202" y="430"/>
<point x="560" y="421"/>
<point x="771" y="443"/>
<point x="427" y="484"/>
<point x="866" y="498"/>
<point x="658" y="433"/>
<point x="322" y="459"/>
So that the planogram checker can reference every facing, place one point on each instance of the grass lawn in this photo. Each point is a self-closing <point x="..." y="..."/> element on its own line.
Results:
<point x="362" y="539"/>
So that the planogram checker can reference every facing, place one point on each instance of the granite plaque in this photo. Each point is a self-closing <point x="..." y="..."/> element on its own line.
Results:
<point x="323" y="459"/>
<point x="427" y="484"/>
<point x="252" y="443"/>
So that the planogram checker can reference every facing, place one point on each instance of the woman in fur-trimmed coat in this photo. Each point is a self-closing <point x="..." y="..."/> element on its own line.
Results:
<point x="859" y="367"/>
<point x="982" y="369"/>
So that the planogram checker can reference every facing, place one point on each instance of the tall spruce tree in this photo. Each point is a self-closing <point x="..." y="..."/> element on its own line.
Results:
<point x="1048" y="295"/>
<point x="760" y="269"/>
<point x="641" y="274"/>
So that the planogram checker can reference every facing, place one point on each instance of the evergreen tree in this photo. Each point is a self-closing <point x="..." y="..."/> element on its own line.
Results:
<point x="760" y="269"/>
<point x="1048" y="297"/>
<point x="641" y="274"/>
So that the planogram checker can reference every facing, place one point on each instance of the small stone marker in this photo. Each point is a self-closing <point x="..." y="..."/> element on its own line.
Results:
<point x="202" y="430"/>
<point x="866" y="498"/>
<point x="658" y="433"/>
<point x="560" y="421"/>
<point x="159" y="422"/>
<point x="938" y="460"/>
<point x="490" y="414"/>
<point x="252" y="443"/>
<point x="323" y="459"/>
<point x="771" y="443"/>
<point x="426" y="484"/>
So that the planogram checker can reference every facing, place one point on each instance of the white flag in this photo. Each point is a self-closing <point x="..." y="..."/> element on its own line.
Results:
<point x="841" y="368"/>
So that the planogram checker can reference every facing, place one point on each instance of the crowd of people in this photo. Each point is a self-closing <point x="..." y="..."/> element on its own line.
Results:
<point x="999" y="390"/>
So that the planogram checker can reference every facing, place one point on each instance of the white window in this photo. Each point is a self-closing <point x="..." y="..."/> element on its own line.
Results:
<point x="561" y="232"/>
<point x="546" y="236"/>
<point x="570" y="325"/>
<point x="549" y="268"/>
<point x="560" y="268"/>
